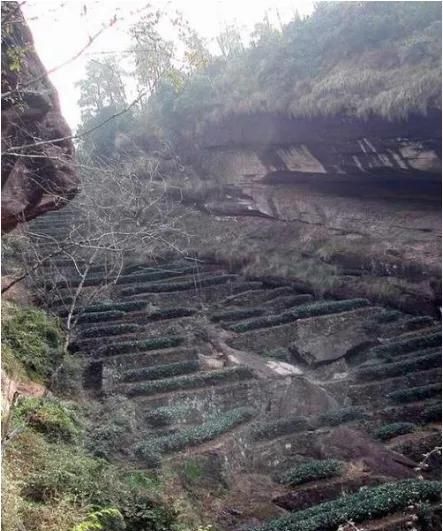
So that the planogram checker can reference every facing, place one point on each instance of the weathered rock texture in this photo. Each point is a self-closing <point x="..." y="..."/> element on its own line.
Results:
<point x="38" y="174"/>
<point x="358" y="199"/>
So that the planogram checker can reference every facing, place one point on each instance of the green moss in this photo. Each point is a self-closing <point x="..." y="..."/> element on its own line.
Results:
<point x="33" y="338"/>
<point x="393" y="430"/>
<point x="301" y="312"/>
<point x="51" y="417"/>
<point x="312" y="470"/>
<point x="153" y="343"/>
<point x="389" y="370"/>
<point x="161" y="371"/>
<point x="190" y="381"/>
<point x="277" y="428"/>
<point x="366" y="504"/>
<point x="413" y="394"/>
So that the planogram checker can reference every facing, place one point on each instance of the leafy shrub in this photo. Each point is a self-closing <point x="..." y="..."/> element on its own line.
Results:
<point x="271" y="430"/>
<point x="191" y="382"/>
<point x="388" y="316"/>
<point x="407" y="345"/>
<point x="170" y="313"/>
<point x="211" y="428"/>
<point x="138" y="346"/>
<point x="103" y="520"/>
<point x="112" y="330"/>
<point x="413" y="394"/>
<point x="432" y="413"/>
<point x="48" y="416"/>
<point x="393" y="430"/>
<point x="129" y="306"/>
<point x="311" y="471"/>
<point x="388" y="370"/>
<point x="33" y="338"/>
<point x="301" y="312"/>
<point x="340" y="416"/>
<point x="289" y="302"/>
<point x="153" y="276"/>
<point x="95" y="317"/>
<point x="179" y="286"/>
<point x="419" y="322"/>
<point x="161" y="371"/>
<point x="164" y="415"/>
<point x="236" y="315"/>
<point x="366" y="504"/>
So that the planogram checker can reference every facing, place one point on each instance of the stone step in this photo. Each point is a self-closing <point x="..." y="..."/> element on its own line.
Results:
<point x="159" y="372"/>
<point x="188" y="283"/>
<point x="120" y="363"/>
<point x="317" y="492"/>
<point x="374" y="393"/>
<point x="193" y="381"/>
<point x="195" y="296"/>
<point x="165" y="327"/>
<point x="317" y="308"/>
<point x="411" y="364"/>
<point x="131" y="347"/>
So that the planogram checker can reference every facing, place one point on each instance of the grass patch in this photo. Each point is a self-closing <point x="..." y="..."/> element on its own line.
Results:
<point x="50" y="417"/>
<point x="413" y="394"/>
<point x="367" y="504"/>
<point x="32" y="339"/>
<point x="389" y="370"/>
<point x="139" y="346"/>
<point x="311" y="471"/>
<point x="191" y="381"/>
<point x="161" y="371"/>
<point x="393" y="430"/>
<point x="308" y="310"/>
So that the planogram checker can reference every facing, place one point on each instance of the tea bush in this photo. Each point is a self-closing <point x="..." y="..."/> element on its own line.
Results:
<point x="161" y="371"/>
<point x="138" y="346"/>
<point x="389" y="370"/>
<point x="393" y="430"/>
<point x="311" y="471"/>
<point x="407" y="345"/>
<point x="413" y="394"/>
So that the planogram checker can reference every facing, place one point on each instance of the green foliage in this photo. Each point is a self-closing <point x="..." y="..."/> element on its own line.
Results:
<point x="407" y="345"/>
<point x="432" y="413"/>
<point x="413" y="394"/>
<point x="96" y="317"/>
<point x="192" y="381"/>
<point x="154" y="275"/>
<point x="388" y="316"/>
<point x="33" y="338"/>
<point x="111" y="330"/>
<point x="277" y="428"/>
<point x="164" y="415"/>
<point x="366" y="504"/>
<point x="55" y="420"/>
<point x="141" y="346"/>
<point x="312" y="470"/>
<point x="129" y="306"/>
<point x="171" y="313"/>
<point x="213" y="427"/>
<point x="389" y="370"/>
<point x="161" y="371"/>
<point x="393" y="430"/>
<point x="105" y="519"/>
<point x="301" y="312"/>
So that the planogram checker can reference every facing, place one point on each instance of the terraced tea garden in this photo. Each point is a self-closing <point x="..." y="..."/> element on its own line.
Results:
<point x="330" y="408"/>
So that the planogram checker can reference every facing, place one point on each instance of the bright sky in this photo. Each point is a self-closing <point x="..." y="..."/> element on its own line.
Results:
<point x="61" y="29"/>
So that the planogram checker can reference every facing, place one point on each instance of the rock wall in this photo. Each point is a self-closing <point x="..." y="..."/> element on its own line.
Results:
<point x="41" y="177"/>
<point x="360" y="198"/>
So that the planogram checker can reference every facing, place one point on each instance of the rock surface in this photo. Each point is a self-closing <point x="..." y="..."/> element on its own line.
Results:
<point x="38" y="171"/>
<point x="334" y="201"/>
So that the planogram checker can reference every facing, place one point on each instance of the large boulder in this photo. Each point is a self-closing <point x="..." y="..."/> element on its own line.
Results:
<point x="38" y="172"/>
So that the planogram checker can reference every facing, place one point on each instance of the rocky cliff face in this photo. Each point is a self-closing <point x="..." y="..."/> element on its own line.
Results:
<point x="360" y="199"/>
<point x="38" y="174"/>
